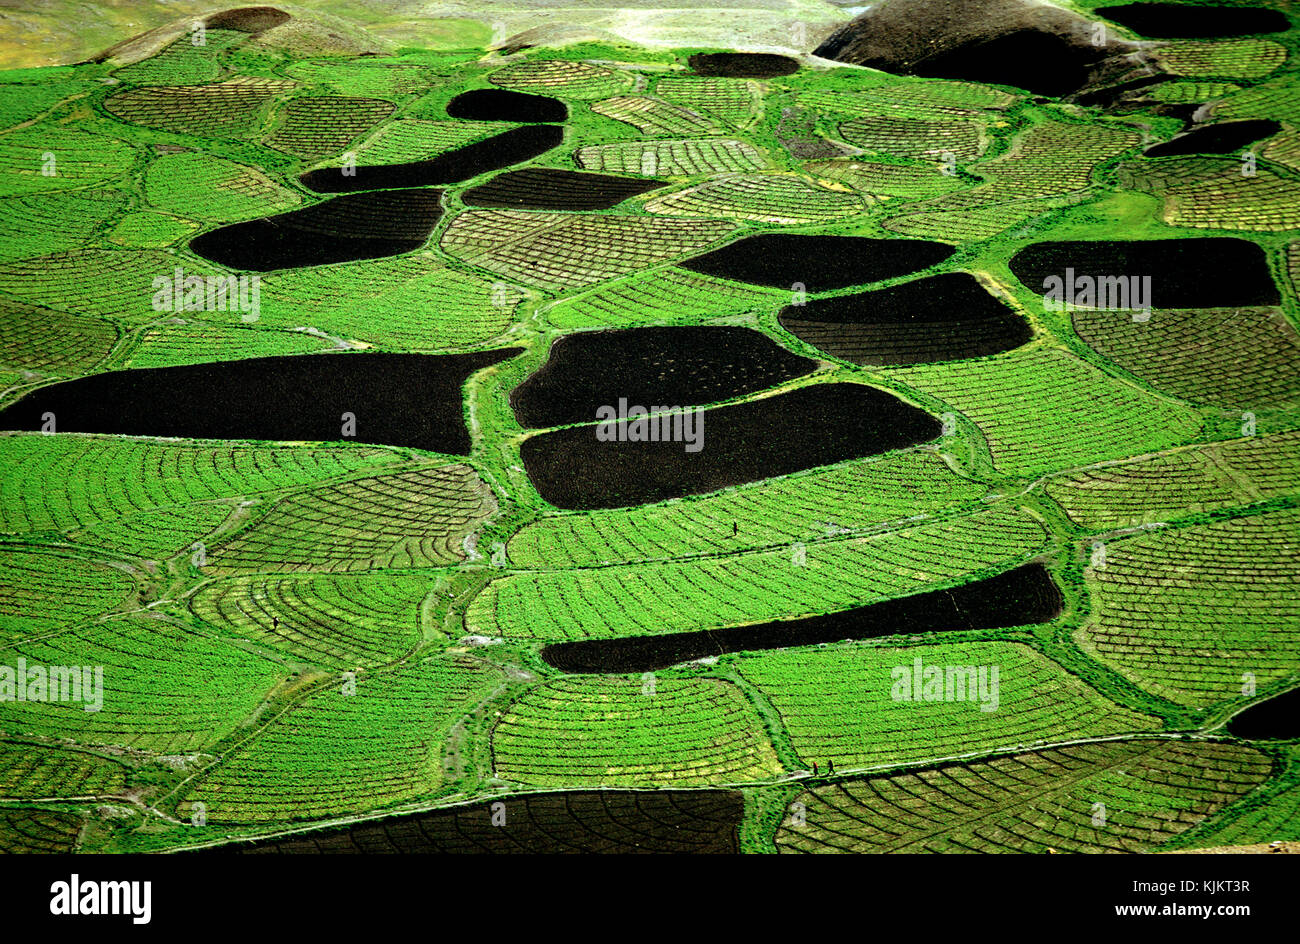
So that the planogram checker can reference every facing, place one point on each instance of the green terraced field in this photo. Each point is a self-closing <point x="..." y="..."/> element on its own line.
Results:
<point x="317" y="633"/>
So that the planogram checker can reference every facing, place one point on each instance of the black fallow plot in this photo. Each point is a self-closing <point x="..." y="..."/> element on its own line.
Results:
<point x="344" y="229"/>
<point x="1021" y="597"/>
<point x="504" y="105"/>
<point x="501" y="150"/>
<point x="742" y="65"/>
<point x="1210" y="272"/>
<point x="1194" y="20"/>
<point x="394" y="399"/>
<point x="573" y="821"/>
<point x="679" y="366"/>
<point x="596" y="466"/>
<point x="1029" y="59"/>
<point x="546" y="188"/>
<point x="248" y="19"/>
<point x="1277" y="719"/>
<point x="944" y="317"/>
<point x="818" y="263"/>
<point x="1223" y="138"/>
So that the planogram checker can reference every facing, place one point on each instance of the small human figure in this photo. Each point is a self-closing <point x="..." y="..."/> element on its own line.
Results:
<point x="275" y="623"/>
<point x="735" y="529"/>
<point x="814" y="768"/>
<point x="830" y="766"/>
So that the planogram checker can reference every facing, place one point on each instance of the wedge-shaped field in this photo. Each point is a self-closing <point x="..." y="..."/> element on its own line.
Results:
<point x="919" y="140"/>
<point x="336" y="754"/>
<point x="846" y="704"/>
<point x="335" y="620"/>
<point x="44" y="223"/>
<point x="944" y="317"/>
<point x="222" y="109"/>
<point x="1235" y="58"/>
<point x="893" y="181"/>
<point x="735" y="589"/>
<point x="415" y="302"/>
<point x="182" y="62"/>
<point x="100" y="283"/>
<point x="81" y="159"/>
<point x="1043" y="409"/>
<point x="43" y="590"/>
<point x="1051" y="160"/>
<point x="668" y="296"/>
<point x="558" y="251"/>
<point x="417" y="518"/>
<point x="103" y="479"/>
<point x="1195" y="614"/>
<point x="165" y="690"/>
<point x="590" y="732"/>
<point x="734" y="102"/>
<point x="32" y="771"/>
<point x="316" y="127"/>
<point x="55" y="342"/>
<point x="1191" y="481"/>
<point x="185" y="342"/>
<point x="415" y="139"/>
<point x="1117" y="796"/>
<point x="762" y="198"/>
<point x="858" y="495"/>
<point x="39" y="831"/>
<point x="1021" y="596"/>
<point x="158" y="534"/>
<point x="361" y="77"/>
<point x="654" y="117"/>
<point x="563" y="78"/>
<point x="686" y="158"/>
<point x="572" y="822"/>
<point x="928" y="99"/>
<point x="1217" y="193"/>
<point x="212" y="189"/>
<point x="1272" y="813"/>
<point x="1227" y="357"/>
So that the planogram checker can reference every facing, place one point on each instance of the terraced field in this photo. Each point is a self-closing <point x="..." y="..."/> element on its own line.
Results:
<point x="616" y="447"/>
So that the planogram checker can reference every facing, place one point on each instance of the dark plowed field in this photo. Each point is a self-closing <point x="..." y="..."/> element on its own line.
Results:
<point x="610" y="821"/>
<point x="1035" y="61"/>
<point x="345" y="229"/>
<point x="1020" y="597"/>
<point x="248" y="19"/>
<point x="819" y="263"/>
<point x="1222" y="138"/>
<point x="1215" y="272"/>
<point x="502" y="150"/>
<point x="1194" y="21"/>
<point x="944" y="317"/>
<point x="1277" y="719"/>
<point x="398" y="399"/>
<point x="742" y="65"/>
<point x="650" y="366"/>
<point x="544" y="188"/>
<point x="816" y="425"/>
<point x="503" y="105"/>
